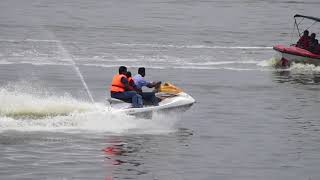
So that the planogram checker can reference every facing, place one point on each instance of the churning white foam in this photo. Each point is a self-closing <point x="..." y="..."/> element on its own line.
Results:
<point x="97" y="121"/>
<point x="21" y="100"/>
<point x="295" y="68"/>
<point x="304" y="68"/>
<point x="32" y="110"/>
<point x="267" y="63"/>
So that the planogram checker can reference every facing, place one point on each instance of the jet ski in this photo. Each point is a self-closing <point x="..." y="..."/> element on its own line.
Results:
<point x="171" y="98"/>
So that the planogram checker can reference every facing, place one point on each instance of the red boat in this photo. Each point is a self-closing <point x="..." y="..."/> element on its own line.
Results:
<point x="286" y="55"/>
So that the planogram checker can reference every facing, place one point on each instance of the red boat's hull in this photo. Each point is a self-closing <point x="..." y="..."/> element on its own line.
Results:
<point x="297" y="55"/>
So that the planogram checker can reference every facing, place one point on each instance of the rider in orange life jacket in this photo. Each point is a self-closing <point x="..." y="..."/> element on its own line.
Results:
<point x="140" y="82"/>
<point x="120" y="89"/>
<point x="132" y="86"/>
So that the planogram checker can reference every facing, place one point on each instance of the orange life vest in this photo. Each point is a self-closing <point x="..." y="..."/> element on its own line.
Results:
<point x="117" y="85"/>
<point x="131" y="82"/>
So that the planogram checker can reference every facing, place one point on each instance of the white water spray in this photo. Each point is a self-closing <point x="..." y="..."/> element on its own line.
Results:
<point x="26" y="108"/>
<point x="67" y="55"/>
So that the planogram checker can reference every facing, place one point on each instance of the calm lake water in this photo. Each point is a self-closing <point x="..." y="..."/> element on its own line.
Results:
<point x="250" y="122"/>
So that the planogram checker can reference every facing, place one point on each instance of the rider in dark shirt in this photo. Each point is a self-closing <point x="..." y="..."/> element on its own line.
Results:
<point x="304" y="40"/>
<point x="313" y="44"/>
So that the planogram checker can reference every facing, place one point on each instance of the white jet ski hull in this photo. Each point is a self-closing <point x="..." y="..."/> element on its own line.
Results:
<point x="179" y="102"/>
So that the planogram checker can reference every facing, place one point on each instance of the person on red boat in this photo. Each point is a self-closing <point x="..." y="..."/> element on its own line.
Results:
<point x="314" y="44"/>
<point x="304" y="40"/>
<point x="317" y="51"/>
